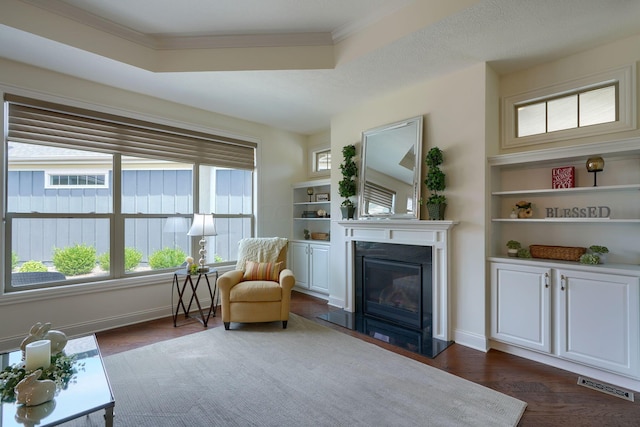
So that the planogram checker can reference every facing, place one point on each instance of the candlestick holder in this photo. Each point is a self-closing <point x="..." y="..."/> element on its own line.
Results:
<point x="595" y="165"/>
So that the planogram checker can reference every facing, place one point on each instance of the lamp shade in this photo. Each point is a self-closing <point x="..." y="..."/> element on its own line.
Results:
<point x="203" y="225"/>
<point x="175" y="224"/>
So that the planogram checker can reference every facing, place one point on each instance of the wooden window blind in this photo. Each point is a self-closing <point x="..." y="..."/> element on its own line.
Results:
<point x="44" y="123"/>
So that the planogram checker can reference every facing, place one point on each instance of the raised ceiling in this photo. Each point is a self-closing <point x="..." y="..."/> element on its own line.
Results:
<point x="293" y="64"/>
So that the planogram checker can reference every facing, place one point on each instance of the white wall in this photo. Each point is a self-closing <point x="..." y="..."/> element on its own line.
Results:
<point x="453" y="107"/>
<point x="607" y="57"/>
<point x="281" y="159"/>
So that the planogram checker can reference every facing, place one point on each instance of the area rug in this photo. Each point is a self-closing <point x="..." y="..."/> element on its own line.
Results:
<point x="305" y="375"/>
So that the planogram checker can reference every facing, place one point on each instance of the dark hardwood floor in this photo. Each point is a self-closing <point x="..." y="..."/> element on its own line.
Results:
<point x="552" y="395"/>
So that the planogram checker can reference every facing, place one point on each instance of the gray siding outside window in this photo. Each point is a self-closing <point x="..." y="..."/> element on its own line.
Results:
<point x="158" y="192"/>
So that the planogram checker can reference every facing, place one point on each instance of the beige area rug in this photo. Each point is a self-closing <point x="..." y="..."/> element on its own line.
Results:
<point x="305" y="375"/>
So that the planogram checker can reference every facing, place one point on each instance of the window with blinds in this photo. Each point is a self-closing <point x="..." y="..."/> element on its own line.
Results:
<point x="109" y="189"/>
<point x="379" y="200"/>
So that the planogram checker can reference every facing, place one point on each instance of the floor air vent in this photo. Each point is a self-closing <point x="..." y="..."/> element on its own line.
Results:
<point x="606" y="388"/>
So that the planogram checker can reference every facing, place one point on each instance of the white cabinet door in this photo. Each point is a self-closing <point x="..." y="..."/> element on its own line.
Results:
<point x="299" y="263"/>
<point x="520" y="305"/>
<point x="319" y="268"/>
<point x="598" y="320"/>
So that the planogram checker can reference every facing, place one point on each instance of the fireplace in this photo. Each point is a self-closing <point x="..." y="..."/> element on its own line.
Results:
<point x="421" y="326"/>
<point x="393" y="283"/>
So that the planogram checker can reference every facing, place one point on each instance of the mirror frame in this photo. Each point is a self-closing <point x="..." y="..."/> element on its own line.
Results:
<point x="371" y="143"/>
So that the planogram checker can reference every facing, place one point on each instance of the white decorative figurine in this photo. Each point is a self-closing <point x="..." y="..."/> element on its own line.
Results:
<point x="31" y="391"/>
<point x="41" y="331"/>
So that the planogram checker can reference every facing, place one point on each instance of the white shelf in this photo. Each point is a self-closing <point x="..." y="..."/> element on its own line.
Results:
<point x="569" y="220"/>
<point x="558" y="191"/>
<point x="526" y="176"/>
<point x="313" y="203"/>
<point x="301" y="204"/>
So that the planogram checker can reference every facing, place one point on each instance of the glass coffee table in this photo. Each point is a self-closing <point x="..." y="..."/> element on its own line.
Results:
<point x="88" y="392"/>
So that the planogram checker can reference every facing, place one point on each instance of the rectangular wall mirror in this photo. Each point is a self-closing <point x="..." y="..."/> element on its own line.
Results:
<point x="390" y="172"/>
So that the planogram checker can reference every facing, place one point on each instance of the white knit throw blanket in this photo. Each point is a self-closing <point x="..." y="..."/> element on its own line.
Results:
<point x="259" y="249"/>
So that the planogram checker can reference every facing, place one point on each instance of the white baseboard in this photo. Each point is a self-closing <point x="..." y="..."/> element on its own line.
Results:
<point x="103" y="324"/>
<point x="578" y="369"/>
<point x="312" y="293"/>
<point x="471" y="340"/>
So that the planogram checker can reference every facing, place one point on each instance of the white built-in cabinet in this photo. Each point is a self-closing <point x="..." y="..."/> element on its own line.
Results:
<point x="310" y="265"/>
<point x="521" y="305"/>
<point x="309" y="257"/>
<point x="580" y="315"/>
<point x="598" y="322"/>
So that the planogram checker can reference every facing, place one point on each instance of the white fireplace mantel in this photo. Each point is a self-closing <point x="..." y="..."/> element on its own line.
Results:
<point x="406" y="232"/>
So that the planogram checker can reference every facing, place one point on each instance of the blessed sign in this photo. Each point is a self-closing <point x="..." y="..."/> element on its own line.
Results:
<point x="579" y="212"/>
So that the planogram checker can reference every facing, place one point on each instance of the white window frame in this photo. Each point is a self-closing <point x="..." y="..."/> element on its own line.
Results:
<point x="117" y="267"/>
<point x="55" y="172"/>
<point x="624" y="77"/>
<point x="313" y="153"/>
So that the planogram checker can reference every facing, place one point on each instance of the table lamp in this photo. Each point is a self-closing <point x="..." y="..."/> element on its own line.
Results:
<point x="174" y="225"/>
<point x="203" y="225"/>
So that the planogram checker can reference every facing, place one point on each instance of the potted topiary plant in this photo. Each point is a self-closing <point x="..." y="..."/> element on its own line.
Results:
<point x="436" y="203"/>
<point x="512" y="248"/>
<point x="347" y="185"/>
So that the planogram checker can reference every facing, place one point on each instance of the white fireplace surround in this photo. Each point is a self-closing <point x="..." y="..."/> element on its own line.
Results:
<point x="406" y="232"/>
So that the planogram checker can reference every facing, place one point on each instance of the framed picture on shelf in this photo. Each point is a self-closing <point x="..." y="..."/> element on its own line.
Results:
<point x="322" y="197"/>
<point x="563" y="177"/>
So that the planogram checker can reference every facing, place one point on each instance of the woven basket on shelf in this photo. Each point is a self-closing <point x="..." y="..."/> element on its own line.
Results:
<point x="564" y="253"/>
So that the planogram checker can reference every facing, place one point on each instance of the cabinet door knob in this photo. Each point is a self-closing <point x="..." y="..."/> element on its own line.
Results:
<point x="546" y="280"/>
<point x="562" y="282"/>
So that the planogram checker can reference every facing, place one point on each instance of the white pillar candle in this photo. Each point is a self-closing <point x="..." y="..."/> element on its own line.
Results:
<point x="38" y="355"/>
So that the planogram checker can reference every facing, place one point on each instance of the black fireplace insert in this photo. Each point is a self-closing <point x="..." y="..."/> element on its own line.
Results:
<point x="393" y="296"/>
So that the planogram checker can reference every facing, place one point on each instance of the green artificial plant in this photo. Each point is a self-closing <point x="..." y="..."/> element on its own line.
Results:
<point x="347" y="185"/>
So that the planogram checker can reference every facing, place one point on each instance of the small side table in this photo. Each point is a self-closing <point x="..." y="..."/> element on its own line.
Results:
<point x="187" y="279"/>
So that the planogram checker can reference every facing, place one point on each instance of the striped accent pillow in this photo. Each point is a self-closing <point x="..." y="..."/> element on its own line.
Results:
<point x="262" y="271"/>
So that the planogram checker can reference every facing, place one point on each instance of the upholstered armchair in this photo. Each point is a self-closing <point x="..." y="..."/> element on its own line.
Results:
<point x="259" y="289"/>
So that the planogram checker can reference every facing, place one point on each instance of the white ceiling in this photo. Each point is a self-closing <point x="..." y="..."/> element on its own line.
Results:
<point x="395" y="48"/>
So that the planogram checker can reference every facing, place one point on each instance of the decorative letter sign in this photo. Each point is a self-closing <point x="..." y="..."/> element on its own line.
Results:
<point x="563" y="177"/>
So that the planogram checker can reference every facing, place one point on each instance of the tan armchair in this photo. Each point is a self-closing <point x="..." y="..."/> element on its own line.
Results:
<point x="245" y="300"/>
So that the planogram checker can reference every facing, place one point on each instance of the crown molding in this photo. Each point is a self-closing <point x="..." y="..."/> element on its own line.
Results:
<point x="242" y="40"/>
<point x="185" y="41"/>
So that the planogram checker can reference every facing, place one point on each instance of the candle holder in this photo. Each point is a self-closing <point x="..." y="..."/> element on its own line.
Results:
<point x="310" y="193"/>
<point x="595" y="165"/>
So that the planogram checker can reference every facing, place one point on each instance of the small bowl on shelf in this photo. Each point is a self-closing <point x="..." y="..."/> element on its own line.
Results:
<point x="320" y="236"/>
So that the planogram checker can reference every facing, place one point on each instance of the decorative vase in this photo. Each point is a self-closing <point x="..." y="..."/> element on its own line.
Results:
<point x="512" y="252"/>
<point x="602" y="258"/>
<point x="348" y="212"/>
<point x="436" y="211"/>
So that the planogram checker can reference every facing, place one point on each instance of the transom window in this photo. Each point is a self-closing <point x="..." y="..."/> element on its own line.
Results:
<point x="581" y="108"/>
<point x="75" y="180"/>
<point x="596" y="104"/>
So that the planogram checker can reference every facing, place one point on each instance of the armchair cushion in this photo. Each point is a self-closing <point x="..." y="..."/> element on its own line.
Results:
<point x="262" y="271"/>
<point x="256" y="291"/>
